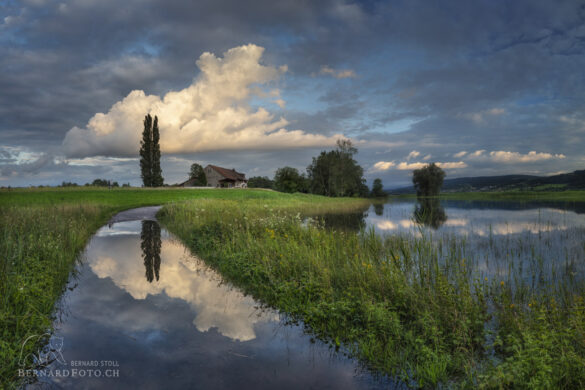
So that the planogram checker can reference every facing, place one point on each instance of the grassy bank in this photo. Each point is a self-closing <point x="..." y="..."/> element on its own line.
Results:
<point x="407" y="305"/>
<point x="387" y="300"/>
<point x="403" y="304"/>
<point x="42" y="232"/>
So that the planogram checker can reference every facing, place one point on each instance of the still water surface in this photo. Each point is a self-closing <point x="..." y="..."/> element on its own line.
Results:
<point x="539" y="242"/>
<point x="156" y="317"/>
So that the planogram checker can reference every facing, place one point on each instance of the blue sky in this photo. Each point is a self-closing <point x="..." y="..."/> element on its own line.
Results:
<point x="483" y="87"/>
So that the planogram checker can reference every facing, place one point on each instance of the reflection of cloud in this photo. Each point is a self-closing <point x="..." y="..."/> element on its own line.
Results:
<point x="182" y="276"/>
<point x="386" y="225"/>
<point x="503" y="229"/>
<point x="407" y="223"/>
<point x="456" y="222"/>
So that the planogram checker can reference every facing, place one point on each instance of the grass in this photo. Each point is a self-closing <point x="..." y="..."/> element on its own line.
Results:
<point x="42" y="233"/>
<point x="411" y="306"/>
<point x="387" y="300"/>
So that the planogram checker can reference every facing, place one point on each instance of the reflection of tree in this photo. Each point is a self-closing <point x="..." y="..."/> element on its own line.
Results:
<point x="429" y="212"/>
<point x="379" y="208"/>
<point x="354" y="220"/>
<point x="150" y="245"/>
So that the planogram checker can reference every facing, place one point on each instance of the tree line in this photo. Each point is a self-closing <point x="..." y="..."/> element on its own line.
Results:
<point x="331" y="173"/>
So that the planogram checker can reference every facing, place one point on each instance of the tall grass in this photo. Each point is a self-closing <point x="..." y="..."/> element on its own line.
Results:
<point x="42" y="231"/>
<point x="410" y="305"/>
<point x="38" y="247"/>
<point x="389" y="301"/>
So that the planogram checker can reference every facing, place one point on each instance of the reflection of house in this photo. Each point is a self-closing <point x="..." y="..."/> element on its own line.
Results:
<point x="223" y="177"/>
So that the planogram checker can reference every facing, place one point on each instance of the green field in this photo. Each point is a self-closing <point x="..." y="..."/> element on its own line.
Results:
<point x="44" y="230"/>
<point x="385" y="300"/>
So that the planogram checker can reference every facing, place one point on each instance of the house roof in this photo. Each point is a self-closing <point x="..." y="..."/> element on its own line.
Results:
<point x="229" y="173"/>
<point x="188" y="182"/>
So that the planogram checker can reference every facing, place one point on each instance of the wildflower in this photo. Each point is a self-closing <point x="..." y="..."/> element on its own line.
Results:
<point x="511" y="305"/>
<point x="502" y="283"/>
<point x="485" y="279"/>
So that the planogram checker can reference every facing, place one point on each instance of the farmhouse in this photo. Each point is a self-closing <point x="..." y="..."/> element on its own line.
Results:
<point x="220" y="177"/>
<point x="223" y="177"/>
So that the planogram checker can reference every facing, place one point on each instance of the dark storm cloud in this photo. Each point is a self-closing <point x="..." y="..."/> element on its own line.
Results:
<point x="488" y="75"/>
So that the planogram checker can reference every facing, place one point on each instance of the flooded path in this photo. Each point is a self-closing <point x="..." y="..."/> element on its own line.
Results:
<point x="144" y="313"/>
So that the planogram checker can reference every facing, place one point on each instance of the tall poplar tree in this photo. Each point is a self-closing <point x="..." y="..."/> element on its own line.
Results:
<point x="157" y="179"/>
<point x="150" y="169"/>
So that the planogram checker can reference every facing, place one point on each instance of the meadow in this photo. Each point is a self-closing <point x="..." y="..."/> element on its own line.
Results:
<point x="403" y="305"/>
<point x="42" y="233"/>
<point x="409" y="306"/>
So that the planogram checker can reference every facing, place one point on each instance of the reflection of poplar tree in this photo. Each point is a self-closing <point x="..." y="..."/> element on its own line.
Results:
<point x="150" y="245"/>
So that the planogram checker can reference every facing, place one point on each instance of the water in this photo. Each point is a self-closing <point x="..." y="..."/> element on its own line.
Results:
<point x="144" y="313"/>
<point x="538" y="243"/>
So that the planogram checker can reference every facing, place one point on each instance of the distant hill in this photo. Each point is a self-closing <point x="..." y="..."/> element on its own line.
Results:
<point x="566" y="181"/>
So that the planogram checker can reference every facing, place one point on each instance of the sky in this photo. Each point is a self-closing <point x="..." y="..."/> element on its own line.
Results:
<point x="480" y="88"/>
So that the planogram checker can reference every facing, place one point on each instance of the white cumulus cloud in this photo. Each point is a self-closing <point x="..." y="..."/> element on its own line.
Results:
<point x="213" y="113"/>
<point x="383" y="166"/>
<point x="404" y="166"/>
<point x="413" y="154"/>
<point x="515" y="157"/>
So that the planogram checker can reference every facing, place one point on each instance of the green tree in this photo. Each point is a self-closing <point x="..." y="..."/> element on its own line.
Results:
<point x="288" y="179"/>
<point x="260" y="182"/>
<point x="377" y="189"/>
<point x="150" y="170"/>
<point x="157" y="179"/>
<point x="428" y="180"/>
<point x="198" y="173"/>
<point x="336" y="173"/>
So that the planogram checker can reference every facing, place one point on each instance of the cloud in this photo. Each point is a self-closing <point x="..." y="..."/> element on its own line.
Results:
<point x="477" y="153"/>
<point x="212" y="114"/>
<point x="338" y="74"/>
<point x="382" y="166"/>
<point x="452" y="165"/>
<point x="503" y="156"/>
<point x="460" y="154"/>
<point x="413" y="154"/>
<point x="515" y="157"/>
<point x="481" y="116"/>
<point x="405" y="166"/>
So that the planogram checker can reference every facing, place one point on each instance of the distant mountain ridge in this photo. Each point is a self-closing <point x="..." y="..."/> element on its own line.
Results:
<point x="565" y="181"/>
